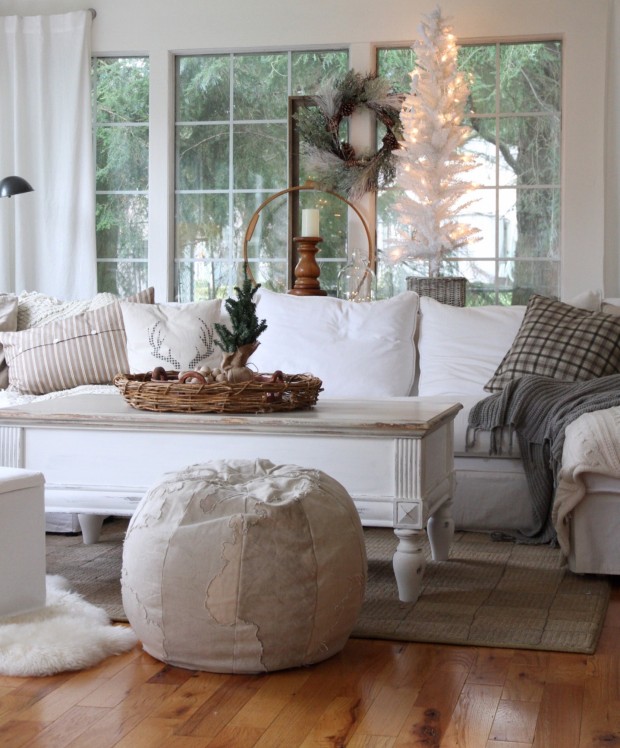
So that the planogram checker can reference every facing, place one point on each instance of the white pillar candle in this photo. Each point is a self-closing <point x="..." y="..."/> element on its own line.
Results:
<point x="310" y="222"/>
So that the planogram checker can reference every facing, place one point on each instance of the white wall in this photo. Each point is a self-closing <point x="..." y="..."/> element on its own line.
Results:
<point x="591" y="130"/>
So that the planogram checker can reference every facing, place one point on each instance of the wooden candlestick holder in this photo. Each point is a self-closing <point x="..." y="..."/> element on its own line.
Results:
<point x="307" y="271"/>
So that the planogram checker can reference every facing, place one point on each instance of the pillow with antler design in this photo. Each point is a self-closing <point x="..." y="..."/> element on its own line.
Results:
<point x="176" y="337"/>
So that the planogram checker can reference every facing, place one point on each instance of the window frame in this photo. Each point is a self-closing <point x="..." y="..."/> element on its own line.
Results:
<point x="234" y="259"/>
<point x="96" y="125"/>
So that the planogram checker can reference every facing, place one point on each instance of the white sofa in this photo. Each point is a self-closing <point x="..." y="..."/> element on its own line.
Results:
<point x="405" y="346"/>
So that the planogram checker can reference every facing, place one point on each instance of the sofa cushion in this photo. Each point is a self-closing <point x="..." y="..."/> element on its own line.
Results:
<point x="359" y="350"/>
<point x="86" y="348"/>
<point x="560" y="341"/>
<point x="175" y="336"/>
<point x="8" y="323"/>
<point x="459" y="348"/>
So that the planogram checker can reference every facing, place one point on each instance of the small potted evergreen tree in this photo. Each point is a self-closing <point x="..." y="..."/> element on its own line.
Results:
<point x="240" y="342"/>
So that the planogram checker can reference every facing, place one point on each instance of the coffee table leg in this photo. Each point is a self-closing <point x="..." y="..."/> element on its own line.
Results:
<point x="440" y="529"/>
<point x="409" y="564"/>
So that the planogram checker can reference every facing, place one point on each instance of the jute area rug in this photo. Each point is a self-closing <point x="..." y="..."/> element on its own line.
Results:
<point x="489" y="593"/>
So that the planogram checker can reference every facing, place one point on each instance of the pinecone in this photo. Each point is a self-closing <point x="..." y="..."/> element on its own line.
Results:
<point x="348" y="152"/>
<point x="347" y="109"/>
<point x="389" y="141"/>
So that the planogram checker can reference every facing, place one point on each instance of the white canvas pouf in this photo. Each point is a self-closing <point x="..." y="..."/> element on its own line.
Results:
<point x="22" y="541"/>
<point x="243" y="566"/>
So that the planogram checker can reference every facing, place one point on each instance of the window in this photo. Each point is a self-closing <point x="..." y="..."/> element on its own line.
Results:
<point x="232" y="149"/>
<point x="121" y="135"/>
<point x="516" y="112"/>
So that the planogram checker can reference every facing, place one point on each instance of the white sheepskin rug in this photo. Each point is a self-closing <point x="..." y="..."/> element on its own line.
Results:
<point x="68" y="634"/>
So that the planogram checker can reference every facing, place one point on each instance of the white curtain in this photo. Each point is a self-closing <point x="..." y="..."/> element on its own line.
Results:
<point x="47" y="237"/>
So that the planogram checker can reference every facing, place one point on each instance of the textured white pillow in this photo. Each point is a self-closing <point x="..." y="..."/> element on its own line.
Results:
<point x="175" y="336"/>
<point x="358" y="350"/>
<point x="8" y="323"/>
<point x="461" y="347"/>
<point x="37" y="309"/>
<point x="590" y="300"/>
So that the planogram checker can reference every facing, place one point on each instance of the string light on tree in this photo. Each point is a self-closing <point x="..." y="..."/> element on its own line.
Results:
<point x="431" y="163"/>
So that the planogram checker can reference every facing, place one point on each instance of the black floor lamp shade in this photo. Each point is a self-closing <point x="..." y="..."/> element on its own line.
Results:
<point x="14" y="186"/>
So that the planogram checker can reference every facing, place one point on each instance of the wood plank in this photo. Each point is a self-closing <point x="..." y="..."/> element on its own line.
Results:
<point x="356" y="672"/>
<point x="600" y="723"/>
<point x="236" y="737"/>
<point x="371" y="741"/>
<point x="491" y="667"/>
<point x="170" y="675"/>
<point x="438" y="696"/>
<point x="336" y="724"/>
<point x="216" y="712"/>
<point x="397" y="687"/>
<point x="389" y="711"/>
<point x="567" y="668"/>
<point x="609" y="641"/>
<point x="275" y="693"/>
<point x="559" y="718"/>
<point x="422" y="728"/>
<point x="473" y="716"/>
<point x="182" y="703"/>
<point x="30" y="691"/>
<point x="69" y="726"/>
<point x="121" y="719"/>
<point x="52" y="706"/>
<point x="515" y="721"/>
<point x="11" y="681"/>
<point x="526" y="677"/>
<point x="115" y="689"/>
<point x="155" y="732"/>
<point x="17" y="733"/>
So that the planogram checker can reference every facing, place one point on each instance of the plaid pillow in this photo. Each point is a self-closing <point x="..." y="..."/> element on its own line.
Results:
<point x="87" y="348"/>
<point x="560" y="341"/>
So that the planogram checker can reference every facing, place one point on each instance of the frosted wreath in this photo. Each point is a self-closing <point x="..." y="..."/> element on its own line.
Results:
<point x="333" y="163"/>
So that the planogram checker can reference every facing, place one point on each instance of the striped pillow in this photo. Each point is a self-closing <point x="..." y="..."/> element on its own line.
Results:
<point x="87" y="348"/>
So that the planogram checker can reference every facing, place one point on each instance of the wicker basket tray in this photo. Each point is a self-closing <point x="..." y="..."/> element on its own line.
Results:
<point x="294" y="392"/>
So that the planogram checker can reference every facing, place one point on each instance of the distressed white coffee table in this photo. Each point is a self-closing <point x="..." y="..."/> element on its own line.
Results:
<point x="394" y="456"/>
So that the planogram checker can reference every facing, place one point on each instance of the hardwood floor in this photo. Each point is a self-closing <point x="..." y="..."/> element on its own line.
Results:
<point x="374" y="694"/>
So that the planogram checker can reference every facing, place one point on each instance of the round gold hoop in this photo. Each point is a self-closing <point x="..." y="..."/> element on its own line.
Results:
<point x="249" y="232"/>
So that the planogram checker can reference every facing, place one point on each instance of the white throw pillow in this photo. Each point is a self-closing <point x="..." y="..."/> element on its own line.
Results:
<point x="175" y="336"/>
<point x="461" y="347"/>
<point x="590" y="300"/>
<point x="358" y="350"/>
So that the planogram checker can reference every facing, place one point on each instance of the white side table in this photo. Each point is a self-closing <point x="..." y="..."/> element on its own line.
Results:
<point x="22" y="541"/>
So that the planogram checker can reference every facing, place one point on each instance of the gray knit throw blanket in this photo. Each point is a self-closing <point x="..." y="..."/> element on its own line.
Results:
<point x="538" y="410"/>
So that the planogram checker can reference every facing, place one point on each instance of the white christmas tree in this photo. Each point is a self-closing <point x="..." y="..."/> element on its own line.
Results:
<point x="431" y="162"/>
